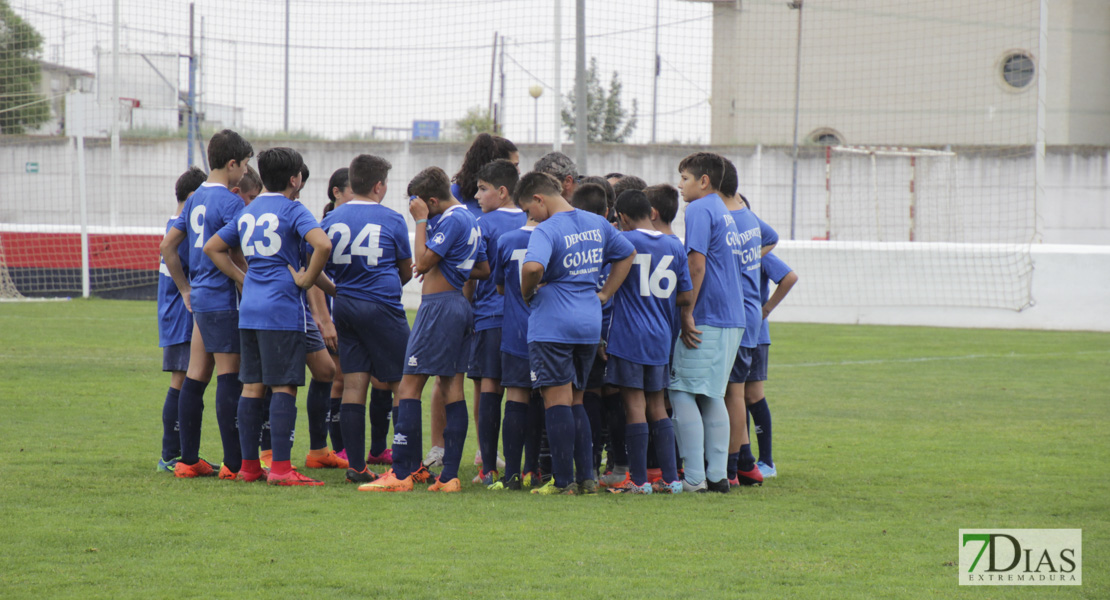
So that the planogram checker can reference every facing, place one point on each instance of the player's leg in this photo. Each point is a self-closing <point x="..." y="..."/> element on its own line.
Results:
<point x="251" y="410"/>
<point x="381" y="409"/>
<point x="476" y="401"/>
<point x="335" y="429"/>
<point x="760" y="413"/>
<point x="283" y="356"/>
<point x="687" y="380"/>
<point x="322" y="368"/>
<point x="228" y="391"/>
<point x="454" y="431"/>
<point x="353" y="421"/>
<point x="741" y="468"/>
<point x="533" y="441"/>
<point x="662" y="434"/>
<point x="175" y="360"/>
<point x="636" y="433"/>
<point x="438" y="419"/>
<point x="613" y="416"/>
<point x="582" y="358"/>
<point x="553" y="371"/>
<point x="190" y="408"/>
<point x="715" y="416"/>
<point x="514" y="431"/>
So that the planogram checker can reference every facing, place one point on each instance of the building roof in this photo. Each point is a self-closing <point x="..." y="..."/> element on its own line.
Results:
<point x="72" y="72"/>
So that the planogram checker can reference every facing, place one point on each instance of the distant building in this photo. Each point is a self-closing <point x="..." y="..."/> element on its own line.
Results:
<point x="56" y="82"/>
<point x="876" y="72"/>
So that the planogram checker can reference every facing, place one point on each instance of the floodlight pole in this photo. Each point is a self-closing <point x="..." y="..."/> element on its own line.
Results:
<point x="192" y="115"/>
<point x="557" y="144"/>
<point x="581" y="104"/>
<point x="286" y="125"/>
<point x="796" y="5"/>
<point x="113" y="192"/>
<point x="655" y="80"/>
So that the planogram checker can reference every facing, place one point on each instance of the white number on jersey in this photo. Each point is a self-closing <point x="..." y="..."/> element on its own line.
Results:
<point x="475" y="236"/>
<point x="367" y="243"/>
<point x="518" y="257"/>
<point x="269" y="246"/>
<point x="196" y="221"/>
<point x="661" y="282"/>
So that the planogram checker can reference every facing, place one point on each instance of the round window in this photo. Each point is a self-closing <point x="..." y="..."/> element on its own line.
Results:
<point x="1018" y="69"/>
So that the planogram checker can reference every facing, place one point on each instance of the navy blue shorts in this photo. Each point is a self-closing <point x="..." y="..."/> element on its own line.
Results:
<point x="741" y="366"/>
<point x="440" y="340"/>
<point x="485" y="354"/>
<point x="219" y="330"/>
<point x="372" y="338"/>
<point x="176" y="357"/>
<point x="627" y="374"/>
<point x="596" y="378"/>
<point x="553" y="363"/>
<point x="758" y="371"/>
<point x="515" y="371"/>
<point x="272" y="357"/>
<point x="313" y="338"/>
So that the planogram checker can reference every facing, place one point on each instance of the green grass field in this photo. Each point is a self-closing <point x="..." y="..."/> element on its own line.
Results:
<point x="888" y="441"/>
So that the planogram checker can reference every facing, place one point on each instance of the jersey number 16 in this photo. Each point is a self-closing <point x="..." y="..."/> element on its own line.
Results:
<point x="660" y="282"/>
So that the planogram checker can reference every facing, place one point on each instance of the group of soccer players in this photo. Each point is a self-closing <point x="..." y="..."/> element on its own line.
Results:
<point x="568" y="297"/>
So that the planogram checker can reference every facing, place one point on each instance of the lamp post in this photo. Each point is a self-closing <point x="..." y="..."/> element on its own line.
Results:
<point x="536" y="90"/>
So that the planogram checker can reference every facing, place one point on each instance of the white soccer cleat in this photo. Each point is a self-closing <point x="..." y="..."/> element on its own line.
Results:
<point x="434" y="459"/>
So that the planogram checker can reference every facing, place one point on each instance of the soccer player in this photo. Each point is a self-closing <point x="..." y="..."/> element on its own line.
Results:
<point x="747" y="248"/>
<point x="711" y="327"/>
<point x="664" y="207"/>
<point x="566" y="252"/>
<point x="561" y="167"/>
<point x="773" y="269"/>
<point x="483" y="150"/>
<point x="214" y="301"/>
<point x="496" y="181"/>
<point x="640" y="341"/>
<point x="447" y="255"/>
<point x="371" y="260"/>
<point x="272" y="320"/>
<point x="175" y="328"/>
<point x="250" y="186"/>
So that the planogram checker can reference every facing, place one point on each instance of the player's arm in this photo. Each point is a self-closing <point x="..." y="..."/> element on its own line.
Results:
<point x="684" y="299"/>
<point x="768" y="248"/>
<point x="237" y="257"/>
<point x="781" y="291"/>
<point x="469" y="287"/>
<point x="404" y="269"/>
<point x="321" y="249"/>
<point x="217" y="251"/>
<point x="318" y="305"/>
<point x="480" y="271"/>
<point x="425" y="259"/>
<point x="325" y="284"/>
<point x="617" y="273"/>
<point x="696" y="264"/>
<point x="168" y="248"/>
<point x="531" y="273"/>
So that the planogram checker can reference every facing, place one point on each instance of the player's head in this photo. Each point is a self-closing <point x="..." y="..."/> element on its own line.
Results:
<point x="562" y="168"/>
<point x="304" y="180"/>
<point x="700" y="175"/>
<point x="496" y="181"/>
<point x="433" y="187"/>
<point x="484" y="149"/>
<point x="368" y="175"/>
<point x="633" y="209"/>
<point x="664" y="202"/>
<point x="188" y="183"/>
<point x="250" y="186"/>
<point x="613" y="178"/>
<point x="280" y="170"/>
<point x="747" y="205"/>
<point x="610" y="195"/>
<point x="228" y="151"/>
<point x="590" y="197"/>
<point x="730" y="180"/>
<point x="629" y="182"/>
<point x="534" y="193"/>
<point x="339" y="187"/>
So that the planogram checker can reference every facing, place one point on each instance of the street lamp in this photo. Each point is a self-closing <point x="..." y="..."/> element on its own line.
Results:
<point x="536" y="90"/>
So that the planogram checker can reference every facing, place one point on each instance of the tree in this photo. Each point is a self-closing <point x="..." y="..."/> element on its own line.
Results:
<point x="22" y="107"/>
<point x="477" y="120"/>
<point x="606" y="119"/>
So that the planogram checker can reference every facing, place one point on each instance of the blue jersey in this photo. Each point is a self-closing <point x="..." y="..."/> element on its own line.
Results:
<point x="471" y="204"/>
<point x="175" y="322"/>
<point x="572" y="247"/>
<point x="488" y="304"/>
<point x="768" y="233"/>
<point x="367" y="240"/>
<point x="607" y="308"/>
<point x="455" y="238"/>
<point x="773" y="269"/>
<point x="207" y="211"/>
<point x="747" y="260"/>
<point x="511" y="249"/>
<point x="644" y="306"/>
<point x="270" y="231"/>
<point x="709" y="230"/>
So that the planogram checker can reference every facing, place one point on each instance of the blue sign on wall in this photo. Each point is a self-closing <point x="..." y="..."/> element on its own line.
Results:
<point x="425" y="130"/>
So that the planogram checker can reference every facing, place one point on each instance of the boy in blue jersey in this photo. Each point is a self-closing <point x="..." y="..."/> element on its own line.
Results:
<point x="371" y="260"/>
<point x="566" y="253"/>
<point x="272" y="321"/>
<point x="447" y="255"/>
<point x="639" y="342"/>
<point x="747" y="249"/>
<point x="772" y="269"/>
<point x="496" y="181"/>
<point x="711" y="327"/>
<point x="249" y="187"/>
<point x="175" y="328"/>
<point x="213" y="299"/>
<point x="519" y="430"/>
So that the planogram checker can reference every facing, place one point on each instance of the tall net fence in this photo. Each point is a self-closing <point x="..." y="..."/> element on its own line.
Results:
<point x="952" y="84"/>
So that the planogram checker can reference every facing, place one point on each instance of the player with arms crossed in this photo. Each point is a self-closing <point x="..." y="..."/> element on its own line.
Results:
<point x="214" y="301"/>
<point x="566" y="253"/>
<point x="447" y="255"/>
<point x="272" y="321"/>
